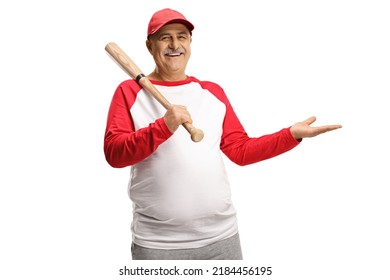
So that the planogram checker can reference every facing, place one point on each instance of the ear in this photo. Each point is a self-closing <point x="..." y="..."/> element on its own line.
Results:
<point x="149" y="45"/>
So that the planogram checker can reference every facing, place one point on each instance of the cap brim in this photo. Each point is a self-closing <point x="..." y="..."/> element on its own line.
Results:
<point x="188" y="24"/>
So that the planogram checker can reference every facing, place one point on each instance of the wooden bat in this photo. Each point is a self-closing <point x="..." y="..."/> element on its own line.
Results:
<point x="132" y="69"/>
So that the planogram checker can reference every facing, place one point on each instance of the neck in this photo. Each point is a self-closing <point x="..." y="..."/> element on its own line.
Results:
<point x="167" y="77"/>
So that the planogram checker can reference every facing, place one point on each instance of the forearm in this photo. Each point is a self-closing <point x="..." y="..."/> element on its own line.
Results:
<point x="123" y="149"/>
<point x="251" y="150"/>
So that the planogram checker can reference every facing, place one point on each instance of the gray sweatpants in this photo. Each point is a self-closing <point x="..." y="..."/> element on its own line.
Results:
<point x="227" y="249"/>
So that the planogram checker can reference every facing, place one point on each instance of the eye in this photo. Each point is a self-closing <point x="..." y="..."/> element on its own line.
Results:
<point x="165" y="38"/>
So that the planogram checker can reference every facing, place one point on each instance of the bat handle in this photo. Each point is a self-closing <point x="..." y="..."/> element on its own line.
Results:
<point x="196" y="133"/>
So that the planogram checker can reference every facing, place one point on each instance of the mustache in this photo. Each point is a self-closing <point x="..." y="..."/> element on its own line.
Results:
<point x="172" y="51"/>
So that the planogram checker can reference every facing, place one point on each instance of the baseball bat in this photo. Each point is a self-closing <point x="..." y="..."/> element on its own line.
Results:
<point x="132" y="69"/>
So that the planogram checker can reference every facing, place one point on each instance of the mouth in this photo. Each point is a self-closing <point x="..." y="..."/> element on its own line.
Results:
<point x="174" y="54"/>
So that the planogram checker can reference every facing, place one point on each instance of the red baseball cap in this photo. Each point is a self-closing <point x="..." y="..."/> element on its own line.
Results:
<point x="165" y="16"/>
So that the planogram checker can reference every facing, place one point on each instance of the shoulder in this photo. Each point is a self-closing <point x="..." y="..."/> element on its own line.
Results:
<point x="126" y="92"/>
<point x="129" y="85"/>
<point x="128" y="88"/>
<point x="214" y="88"/>
<point x="207" y="84"/>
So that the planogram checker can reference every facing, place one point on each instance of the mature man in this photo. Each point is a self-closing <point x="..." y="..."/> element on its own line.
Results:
<point x="179" y="189"/>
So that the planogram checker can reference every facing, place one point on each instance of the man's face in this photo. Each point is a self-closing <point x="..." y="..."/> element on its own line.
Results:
<point x="170" y="48"/>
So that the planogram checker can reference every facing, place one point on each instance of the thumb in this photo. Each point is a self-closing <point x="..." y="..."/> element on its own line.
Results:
<point x="310" y="120"/>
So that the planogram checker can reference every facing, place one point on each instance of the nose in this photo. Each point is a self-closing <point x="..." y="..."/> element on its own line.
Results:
<point x="174" y="44"/>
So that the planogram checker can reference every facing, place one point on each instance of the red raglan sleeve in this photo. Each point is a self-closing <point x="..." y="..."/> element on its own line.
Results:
<point x="244" y="150"/>
<point x="123" y="145"/>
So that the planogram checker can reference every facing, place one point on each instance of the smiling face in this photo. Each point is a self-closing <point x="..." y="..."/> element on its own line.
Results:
<point x="170" y="48"/>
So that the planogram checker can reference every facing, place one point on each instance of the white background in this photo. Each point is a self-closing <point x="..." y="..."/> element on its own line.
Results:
<point x="320" y="211"/>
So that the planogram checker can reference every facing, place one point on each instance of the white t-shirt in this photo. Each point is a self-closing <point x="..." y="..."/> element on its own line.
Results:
<point x="180" y="190"/>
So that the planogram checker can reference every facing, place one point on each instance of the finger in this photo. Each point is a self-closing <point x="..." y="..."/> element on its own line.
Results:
<point x="186" y="117"/>
<point x="310" y="120"/>
<point x="189" y="120"/>
<point x="332" y="127"/>
<point x="326" y="128"/>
